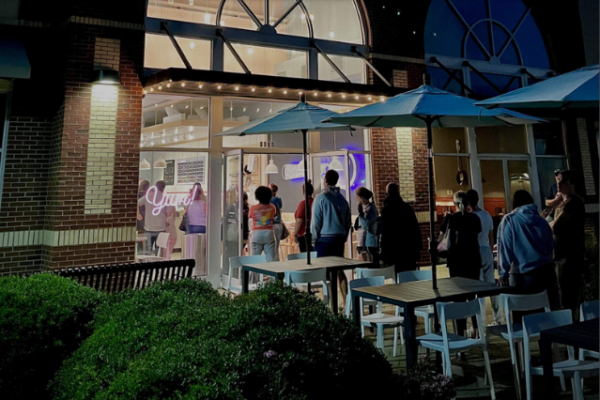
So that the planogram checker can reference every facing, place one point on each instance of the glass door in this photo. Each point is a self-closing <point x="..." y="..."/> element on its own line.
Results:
<point x="232" y="207"/>
<point x="319" y="164"/>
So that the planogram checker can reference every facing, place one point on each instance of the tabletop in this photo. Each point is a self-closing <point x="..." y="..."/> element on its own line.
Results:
<point x="421" y="292"/>
<point x="279" y="267"/>
<point x="580" y="334"/>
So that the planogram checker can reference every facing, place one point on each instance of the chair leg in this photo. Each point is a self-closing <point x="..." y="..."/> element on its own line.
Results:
<point x="401" y="334"/>
<point x="563" y="384"/>
<point x="577" y="383"/>
<point x="516" y="372"/>
<point x="228" y="287"/>
<point x="488" y="369"/>
<point x="447" y="363"/>
<point x="396" y="339"/>
<point x="380" y="336"/>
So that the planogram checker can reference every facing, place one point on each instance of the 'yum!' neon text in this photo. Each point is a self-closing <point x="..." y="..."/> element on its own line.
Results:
<point x="162" y="200"/>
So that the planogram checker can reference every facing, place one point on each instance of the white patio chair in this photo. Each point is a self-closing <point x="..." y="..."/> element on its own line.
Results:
<point x="447" y="343"/>
<point x="570" y="368"/>
<point x="295" y="278"/>
<point x="236" y="262"/>
<point x="379" y="320"/>
<point x="513" y="330"/>
<point x="161" y="243"/>
<point x="425" y="312"/>
<point x="589" y="310"/>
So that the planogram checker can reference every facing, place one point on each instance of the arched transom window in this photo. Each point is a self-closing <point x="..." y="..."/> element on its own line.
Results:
<point x="293" y="38"/>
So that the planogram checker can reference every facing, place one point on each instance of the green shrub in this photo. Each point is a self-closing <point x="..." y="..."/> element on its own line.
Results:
<point x="184" y="341"/>
<point x="43" y="319"/>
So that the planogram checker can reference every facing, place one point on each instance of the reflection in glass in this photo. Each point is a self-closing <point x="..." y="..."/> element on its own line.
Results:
<point x="444" y="140"/>
<point x="231" y="217"/>
<point x="446" y="181"/>
<point x="268" y="61"/>
<point x="501" y="139"/>
<point x="161" y="54"/>
<point x="198" y="11"/>
<point x="494" y="195"/>
<point x="352" y="67"/>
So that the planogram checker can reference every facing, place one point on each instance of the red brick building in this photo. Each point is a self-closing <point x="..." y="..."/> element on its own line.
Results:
<point x="75" y="148"/>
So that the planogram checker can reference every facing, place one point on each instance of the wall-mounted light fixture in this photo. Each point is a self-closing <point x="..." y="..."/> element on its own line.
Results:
<point x="107" y="77"/>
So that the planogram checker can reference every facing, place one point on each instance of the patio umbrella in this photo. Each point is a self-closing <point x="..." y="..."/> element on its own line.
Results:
<point x="576" y="90"/>
<point x="301" y="118"/>
<point x="428" y="107"/>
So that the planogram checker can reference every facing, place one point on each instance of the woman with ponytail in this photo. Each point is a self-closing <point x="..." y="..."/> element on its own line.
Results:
<point x="367" y="219"/>
<point x="464" y="259"/>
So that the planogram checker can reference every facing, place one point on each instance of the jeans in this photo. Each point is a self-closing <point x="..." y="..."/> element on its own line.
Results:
<point x="569" y="273"/>
<point x="278" y="230"/>
<point x="151" y="241"/>
<point x="263" y="241"/>
<point x="486" y="274"/>
<point x="538" y="280"/>
<point x="334" y="246"/>
<point x="196" y="229"/>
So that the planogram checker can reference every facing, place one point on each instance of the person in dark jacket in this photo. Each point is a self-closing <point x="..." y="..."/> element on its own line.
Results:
<point x="401" y="241"/>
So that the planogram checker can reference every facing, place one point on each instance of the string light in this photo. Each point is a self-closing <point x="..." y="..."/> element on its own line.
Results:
<point x="219" y="87"/>
<point x="285" y="92"/>
<point x="253" y="89"/>
<point x="315" y="94"/>
<point x="145" y="91"/>
<point x="270" y="90"/>
<point x="237" y="88"/>
<point x="329" y="95"/>
<point x="370" y="98"/>
<point x="152" y="89"/>
<point x="159" y="87"/>
<point x="200" y="86"/>
<point x="168" y="85"/>
<point x="356" y="97"/>
<point x="382" y="99"/>
<point x="343" y="96"/>
<point x="301" y="93"/>
<point x="182" y="84"/>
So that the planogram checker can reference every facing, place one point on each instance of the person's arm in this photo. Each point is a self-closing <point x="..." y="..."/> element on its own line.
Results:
<point x="317" y="220"/>
<point x="563" y="220"/>
<point x="555" y="201"/>
<point x="491" y="239"/>
<point x="505" y="250"/>
<point x="139" y="215"/>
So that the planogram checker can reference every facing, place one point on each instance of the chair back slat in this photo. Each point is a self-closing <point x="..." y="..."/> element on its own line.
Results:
<point x="589" y="310"/>
<point x="387" y="272"/>
<point x="414" y="276"/>
<point x="523" y="302"/>
<point x="315" y="275"/>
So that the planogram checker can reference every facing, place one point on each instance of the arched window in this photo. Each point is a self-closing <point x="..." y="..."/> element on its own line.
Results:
<point x="491" y="46"/>
<point x="335" y="26"/>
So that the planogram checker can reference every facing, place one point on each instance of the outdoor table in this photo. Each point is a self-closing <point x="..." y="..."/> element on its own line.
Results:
<point x="411" y="295"/>
<point x="277" y="270"/>
<point x="579" y="335"/>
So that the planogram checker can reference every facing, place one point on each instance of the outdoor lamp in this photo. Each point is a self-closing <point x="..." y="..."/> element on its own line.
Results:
<point x="107" y="77"/>
<point x="144" y="165"/>
<point x="160" y="163"/>
<point x="271" y="168"/>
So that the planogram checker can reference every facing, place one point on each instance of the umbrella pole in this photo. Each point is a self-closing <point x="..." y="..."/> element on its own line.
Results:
<point x="432" y="210"/>
<point x="307" y="236"/>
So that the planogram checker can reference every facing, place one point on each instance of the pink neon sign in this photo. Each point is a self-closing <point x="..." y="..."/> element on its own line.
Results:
<point x="161" y="200"/>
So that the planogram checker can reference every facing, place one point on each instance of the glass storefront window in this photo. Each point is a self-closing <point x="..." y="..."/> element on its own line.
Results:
<point x="238" y="112"/>
<point x="235" y="16"/>
<point x="546" y="168"/>
<point x="294" y="24"/>
<point x="352" y="67"/>
<point x="494" y="195"/>
<point x="444" y="140"/>
<point x="160" y="53"/>
<point x="446" y="180"/>
<point x="175" y="121"/>
<point x="335" y="20"/>
<point x="549" y="139"/>
<point x="518" y="175"/>
<point x="198" y="11"/>
<point x="501" y="139"/>
<point x="268" y="61"/>
<point x="357" y="140"/>
<point x="180" y="171"/>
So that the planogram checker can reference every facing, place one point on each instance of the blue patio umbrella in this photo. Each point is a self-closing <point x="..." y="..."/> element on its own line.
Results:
<point x="428" y="107"/>
<point x="575" y="90"/>
<point x="301" y="118"/>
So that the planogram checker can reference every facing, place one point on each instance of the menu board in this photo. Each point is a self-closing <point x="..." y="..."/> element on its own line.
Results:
<point x="169" y="176"/>
<point x="191" y="170"/>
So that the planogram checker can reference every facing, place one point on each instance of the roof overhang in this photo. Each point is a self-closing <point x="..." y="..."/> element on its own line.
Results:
<point x="217" y="83"/>
<point x="13" y="59"/>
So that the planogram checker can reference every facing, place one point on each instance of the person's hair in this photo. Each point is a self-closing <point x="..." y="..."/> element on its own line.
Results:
<point x="462" y="201"/>
<point x="332" y="177"/>
<point x="199" y="191"/>
<point x="364" y="193"/>
<point x="144" y="185"/>
<point x="274" y="188"/>
<point x="245" y="197"/>
<point x="566" y="176"/>
<point x="308" y="188"/>
<point x="393" y="188"/>
<point x="473" y="197"/>
<point x="160" y="185"/>
<point x="522" y="198"/>
<point x="263" y="194"/>
<point x="558" y="172"/>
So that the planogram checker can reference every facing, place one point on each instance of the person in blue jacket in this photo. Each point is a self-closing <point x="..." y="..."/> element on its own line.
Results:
<point x="331" y="222"/>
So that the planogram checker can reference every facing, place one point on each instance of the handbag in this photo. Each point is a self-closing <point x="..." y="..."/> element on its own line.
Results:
<point x="183" y="226"/>
<point x="285" y="233"/>
<point x="444" y="242"/>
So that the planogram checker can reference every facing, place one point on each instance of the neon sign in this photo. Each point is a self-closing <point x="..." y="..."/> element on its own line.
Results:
<point x="161" y="200"/>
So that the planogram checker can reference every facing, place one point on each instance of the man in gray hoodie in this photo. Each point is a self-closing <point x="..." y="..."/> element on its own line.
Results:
<point x="331" y="222"/>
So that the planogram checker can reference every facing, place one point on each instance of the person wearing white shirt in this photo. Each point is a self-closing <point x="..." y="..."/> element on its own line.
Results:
<point x="486" y="243"/>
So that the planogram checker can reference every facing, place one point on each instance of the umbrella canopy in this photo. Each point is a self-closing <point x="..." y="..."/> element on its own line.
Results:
<point x="575" y="90"/>
<point x="303" y="117"/>
<point x="444" y="109"/>
<point x="430" y="107"/>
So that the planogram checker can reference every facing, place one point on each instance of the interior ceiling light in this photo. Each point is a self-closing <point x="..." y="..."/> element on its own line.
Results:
<point x="207" y="18"/>
<point x="271" y="168"/>
<point x="336" y="164"/>
<point x="192" y="45"/>
<point x="144" y="164"/>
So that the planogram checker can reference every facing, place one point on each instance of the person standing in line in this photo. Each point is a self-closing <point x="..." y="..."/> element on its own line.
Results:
<point x="464" y="260"/>
<point x="196" y="211"/>
<point x="153" y="224"/>
<point x="278" y="227"/>
<point x="525" y="247"/>
<point x="367" y="218"/>
<point x="569" y="244"/>
<point x="331" y="223"/>
<point x="171" y="230"/>
<point x="554" y="197"/>
<point x="401" y="241"/>
<point x="486" y="243"/>
<point x="262" y="216"/>
<point x="301" y="217"/>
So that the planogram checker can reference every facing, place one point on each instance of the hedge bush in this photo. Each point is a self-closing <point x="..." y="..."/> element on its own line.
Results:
<point x="43" y="319"/>
<point x="182" y="340"/>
